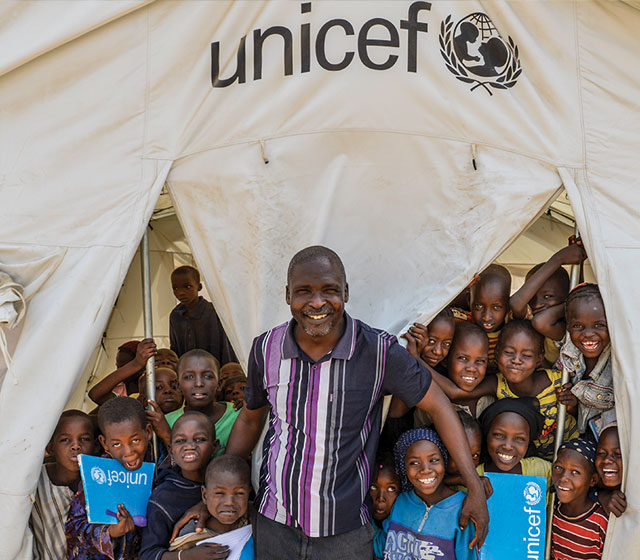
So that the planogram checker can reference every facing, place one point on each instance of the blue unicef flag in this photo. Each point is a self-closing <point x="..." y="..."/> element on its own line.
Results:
<point x="107" y="483"/>
<point x="517" y="511"/>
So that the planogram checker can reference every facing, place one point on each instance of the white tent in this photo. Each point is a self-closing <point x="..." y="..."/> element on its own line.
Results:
<point x="367" y="127"/>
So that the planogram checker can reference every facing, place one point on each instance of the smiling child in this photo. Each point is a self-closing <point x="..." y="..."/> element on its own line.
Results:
<point x="193" y="442"/>
<point x="198" y="373"/>
<point x="510" y="426"/>
<point x="579" y="523"/>
<point x="74" y="434"/>
<point x="424" y="519"/>
<point x="609" y="467"/>
<point x="587" y="355"/>
<point x="125" y="436"/>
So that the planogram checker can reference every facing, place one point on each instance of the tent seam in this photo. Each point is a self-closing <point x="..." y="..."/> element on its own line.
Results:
<point x="364" y="130"/>
<point x="68" y="40"/>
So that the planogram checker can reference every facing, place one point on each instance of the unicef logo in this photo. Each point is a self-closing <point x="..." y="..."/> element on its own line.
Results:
<point x="98" y="475"/>
<point x="532" y="493"/>
<point x="475" y="53"/>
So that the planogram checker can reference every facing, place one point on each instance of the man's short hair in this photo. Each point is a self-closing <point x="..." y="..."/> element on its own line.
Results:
<point x="228" y="464"/>
<point x="120" y="409"/>
<point x="316" y="252"/>
<point x="190" y="270"/>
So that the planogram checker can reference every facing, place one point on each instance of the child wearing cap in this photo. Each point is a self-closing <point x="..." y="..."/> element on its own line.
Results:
<point x="579" y="523"/>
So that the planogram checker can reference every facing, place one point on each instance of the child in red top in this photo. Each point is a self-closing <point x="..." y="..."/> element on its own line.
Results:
<point x="579" y="523"/>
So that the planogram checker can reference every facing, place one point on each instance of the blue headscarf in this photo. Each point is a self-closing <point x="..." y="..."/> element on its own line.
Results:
<point x="405" y="441"/>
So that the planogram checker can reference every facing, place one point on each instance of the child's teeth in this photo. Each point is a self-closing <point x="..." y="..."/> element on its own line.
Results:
<point x="505" y="457"/>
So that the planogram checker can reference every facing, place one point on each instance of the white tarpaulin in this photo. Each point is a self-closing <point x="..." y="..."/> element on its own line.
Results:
<point x="393" y="132"/>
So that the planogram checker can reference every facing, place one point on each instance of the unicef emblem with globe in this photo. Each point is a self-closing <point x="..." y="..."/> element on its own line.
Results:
<point x="532" y="493"/>
<point x="475" y="53"/>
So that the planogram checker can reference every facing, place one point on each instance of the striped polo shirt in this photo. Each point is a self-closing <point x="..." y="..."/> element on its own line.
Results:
<point x="324" y="422"/>
<point x="579" y="538"/>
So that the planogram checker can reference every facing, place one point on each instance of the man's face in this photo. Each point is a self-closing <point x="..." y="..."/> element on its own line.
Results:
<point x="316" y="294"/>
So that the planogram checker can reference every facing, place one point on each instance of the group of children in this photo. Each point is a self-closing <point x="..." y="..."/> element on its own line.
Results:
<point x="498" y="357"/>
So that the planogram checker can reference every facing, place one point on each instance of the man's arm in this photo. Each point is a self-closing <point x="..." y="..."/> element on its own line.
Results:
<point x="450" y="429"/>
<point x="246" y="431"/>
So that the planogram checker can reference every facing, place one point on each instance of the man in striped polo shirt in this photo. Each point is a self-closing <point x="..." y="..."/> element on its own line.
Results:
<point x="320" y="379"/>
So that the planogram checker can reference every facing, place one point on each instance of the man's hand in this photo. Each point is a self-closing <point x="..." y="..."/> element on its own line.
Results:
<point x="199" y="512"/>
<point x="124" y="525"/>
<point x="207" y="551"/>
<point x="474" y="508"/>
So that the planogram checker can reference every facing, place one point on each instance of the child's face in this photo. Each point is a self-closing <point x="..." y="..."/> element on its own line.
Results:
<point x="489" y="305"/>
<point x="468" y="361"/>
<point x="198" y="378"/>
<point x="518" y="356"/>
<point x="425" y="469"/>
<point x="168" y="395"/>
<point x="227" y="498"/>
<point x="192" y="444"/>
<point x="609" y="458"/>
<point x="572" y="476"/>
<point x="126" y="442"/>
<point x="185" y="288"/>
<point x="508" y="440"/>
<point x="73" y="436"/>
<point x="474" y="437"/>
<point x="587" y="326"/>
<point x="440" y="336"/>
<point x="234" y="391"/>
<point x="166" y="358"/>
<point x="550" y="294"/>
<point x="383" y="491"/>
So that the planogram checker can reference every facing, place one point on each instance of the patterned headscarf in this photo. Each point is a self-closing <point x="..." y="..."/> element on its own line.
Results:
<point x="405" y="441"/>
<point x="585" y="447"/>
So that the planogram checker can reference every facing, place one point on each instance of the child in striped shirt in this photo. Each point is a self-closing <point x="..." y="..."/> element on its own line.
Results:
<point x="74" y="434"/>
<point x="579" y="523"/>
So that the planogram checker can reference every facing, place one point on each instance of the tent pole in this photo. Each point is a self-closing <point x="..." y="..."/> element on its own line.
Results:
<point x="561" y="417"/>
<point x="150" y="378"/>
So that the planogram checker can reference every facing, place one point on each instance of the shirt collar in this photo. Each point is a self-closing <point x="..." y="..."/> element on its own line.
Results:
<point x="197" y="312"/>
<point x="343" y="350"/>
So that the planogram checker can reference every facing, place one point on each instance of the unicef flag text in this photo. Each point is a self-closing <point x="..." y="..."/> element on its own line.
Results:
<point x="107" y="483"/>
<point x="517" y="511"/>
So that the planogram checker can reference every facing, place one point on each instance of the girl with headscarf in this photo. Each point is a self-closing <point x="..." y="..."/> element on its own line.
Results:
<point x="424" y="518"/>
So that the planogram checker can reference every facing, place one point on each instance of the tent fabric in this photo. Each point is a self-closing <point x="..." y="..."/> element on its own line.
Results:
<point x="415" y="176"/>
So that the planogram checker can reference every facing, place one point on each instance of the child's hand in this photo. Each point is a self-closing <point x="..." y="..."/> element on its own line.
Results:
<point x="412" y="346"/>
<point x="574" y="253"/>
<point x="159" y="422"/>
<point x="124" y="525"/>
<point x="207" y="551"/>
<point x="567" y="398"/>
<point x="199" y="512"/>
<point x="613" y="502"/>
<point x="238" y="404"/>
<point x="146" y="348"/>
<point x="421" y="334"/>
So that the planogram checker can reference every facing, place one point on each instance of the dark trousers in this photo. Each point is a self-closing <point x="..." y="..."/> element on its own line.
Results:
<point x="275" y="541"/>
